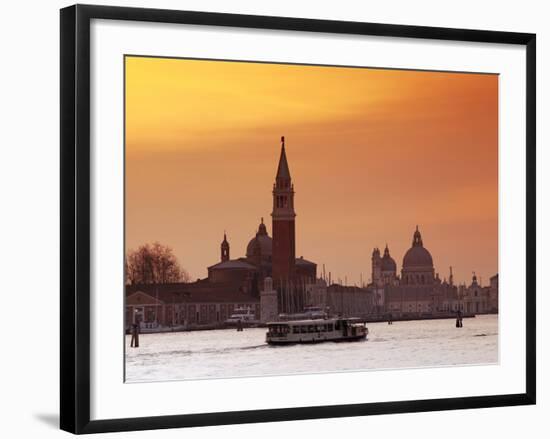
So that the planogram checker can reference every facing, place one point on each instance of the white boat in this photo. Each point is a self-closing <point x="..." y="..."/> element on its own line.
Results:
<point x="315" y="330"/>
<point x="243" y="315"/>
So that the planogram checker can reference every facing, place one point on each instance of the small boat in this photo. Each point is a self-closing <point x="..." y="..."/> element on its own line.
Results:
<point x="315" y="331"/>
<point x="242" y="315"/>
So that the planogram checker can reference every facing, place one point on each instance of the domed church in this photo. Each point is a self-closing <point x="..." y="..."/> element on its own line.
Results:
<point x="418" y="289"/>
<point x="384" y="268"/>
<point x="418" y="266"/>
<point x="266" y="256"/>
<point x="259" y="249"/>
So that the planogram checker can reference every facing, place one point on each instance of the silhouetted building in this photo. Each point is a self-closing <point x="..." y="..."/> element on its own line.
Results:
<point x="384" y="269"/>
<point x="193" y="304"/>
<point x="283" y="220"/>
<point x="270" y="257"/>
<point x="419" y="290"/>
<point x="475" y="298"/>
<point x="493" y="293"/>
<point x="241" y="279"/>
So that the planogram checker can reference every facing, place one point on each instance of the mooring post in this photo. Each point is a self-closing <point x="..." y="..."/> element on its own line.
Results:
<point x="134" y="343"/>
<point x="459" y="319"/>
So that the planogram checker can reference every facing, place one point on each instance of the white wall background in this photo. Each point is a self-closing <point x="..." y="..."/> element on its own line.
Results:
<point x="29" y="206"/>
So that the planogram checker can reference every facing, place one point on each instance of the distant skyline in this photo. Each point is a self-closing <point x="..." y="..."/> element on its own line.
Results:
<point x="372" y="154"/>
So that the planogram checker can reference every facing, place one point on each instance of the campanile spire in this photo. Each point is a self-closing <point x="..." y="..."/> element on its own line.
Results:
<point x="283" y="216"/>
<point x="283" y="173"/>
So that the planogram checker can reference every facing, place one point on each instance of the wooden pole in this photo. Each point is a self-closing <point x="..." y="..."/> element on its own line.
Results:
<point x="134" y="342"/>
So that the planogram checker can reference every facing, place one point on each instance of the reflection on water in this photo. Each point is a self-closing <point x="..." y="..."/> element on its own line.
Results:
<point x="228" y="353"/>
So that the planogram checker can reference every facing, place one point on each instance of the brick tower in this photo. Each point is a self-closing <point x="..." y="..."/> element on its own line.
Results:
<point x="284" y="240"/>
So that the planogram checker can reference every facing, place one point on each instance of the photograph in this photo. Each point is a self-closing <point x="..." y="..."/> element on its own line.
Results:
<point x="288" y="219"/>
<point x="269" y="220"/>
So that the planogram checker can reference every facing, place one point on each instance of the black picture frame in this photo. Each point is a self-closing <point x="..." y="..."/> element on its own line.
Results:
<point x="75" y="217"/>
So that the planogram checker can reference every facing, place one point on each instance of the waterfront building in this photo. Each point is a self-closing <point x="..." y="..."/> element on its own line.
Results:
<point x="416" y="291"/>
<point x="419" y="291"/>
<point x="474" y="297"/>
<point x="191" y="304"/>
<point x="493" y="293"/>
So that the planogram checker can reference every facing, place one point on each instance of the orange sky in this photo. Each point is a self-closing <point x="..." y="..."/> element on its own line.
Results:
<point x="372" y="153"/>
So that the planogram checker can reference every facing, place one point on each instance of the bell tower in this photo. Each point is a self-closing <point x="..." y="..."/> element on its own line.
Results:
<point x="283" y="216"/>
<point x="376" y="267"/>
<point x="224" y="249"/>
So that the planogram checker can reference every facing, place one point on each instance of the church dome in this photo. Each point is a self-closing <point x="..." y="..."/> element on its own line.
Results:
<point x="417" y="255"/>
<point x="262" y="242"/>
<point x="387" y="262"/>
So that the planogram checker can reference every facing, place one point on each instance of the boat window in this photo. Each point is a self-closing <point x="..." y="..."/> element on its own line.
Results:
<point x="295" y="329"/>
<point x="331" y="327"/>
<point x="303" y="329"/>
<point x="279" y="329"/>
<point x="311" y="328"/>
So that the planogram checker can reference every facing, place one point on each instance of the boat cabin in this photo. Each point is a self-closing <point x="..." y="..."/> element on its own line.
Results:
<point x="307" y="331"/>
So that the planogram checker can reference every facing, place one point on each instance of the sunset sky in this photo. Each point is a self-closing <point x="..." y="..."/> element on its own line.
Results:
<point x="372" y="153"/>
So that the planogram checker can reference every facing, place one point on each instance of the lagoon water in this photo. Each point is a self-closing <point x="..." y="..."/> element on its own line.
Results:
<point x="228" y="353"/>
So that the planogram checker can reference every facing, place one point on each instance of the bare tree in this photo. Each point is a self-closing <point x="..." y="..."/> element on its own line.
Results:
<point x="154" y="264"/>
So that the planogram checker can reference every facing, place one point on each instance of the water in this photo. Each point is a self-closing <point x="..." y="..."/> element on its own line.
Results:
<point x="228" y="353"/>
